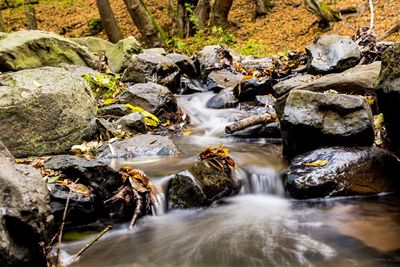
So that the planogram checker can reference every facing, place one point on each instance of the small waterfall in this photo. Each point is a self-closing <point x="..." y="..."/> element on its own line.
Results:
<point x="160" y="192"/>
<point x="258" y="180"/>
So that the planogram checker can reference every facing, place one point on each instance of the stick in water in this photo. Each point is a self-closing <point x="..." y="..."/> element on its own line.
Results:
<point x="250" y="121"/>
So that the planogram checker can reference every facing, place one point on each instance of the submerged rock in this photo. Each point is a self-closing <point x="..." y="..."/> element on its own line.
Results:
<point x="34" y="49"/>
<point x="388" y="94"/>
<point x="312" y="120"/>
<point x="202" y="184"/>
<point x="343" y="171"/>
<point x="121" y="54"/>
<point x="44" y="111"/>
<point x="224" y="99"/>
<point x="141" y="145"/>
<point x="25" y="217"/>
<point x="332" y="53"/>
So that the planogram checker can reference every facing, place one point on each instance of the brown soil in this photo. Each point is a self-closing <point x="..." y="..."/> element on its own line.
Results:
<point x="287" y="27"/>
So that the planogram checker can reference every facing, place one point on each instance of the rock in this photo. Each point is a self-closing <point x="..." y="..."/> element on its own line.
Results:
<point x="224" y="99"/>
<point x="25" y="217"/>
<point x="358" y="80"/>
<point x="153" y="68"/>
<point x="152" y="97"/>
<point x="115" y="110"/>
<point x="248" y="90"/>
<point x="78" y="70"/>
<point x="388" y="94"/>
<point x="265" y="100"/>
<point x="213" y="57"/>
<point x="191" y="86"/>
<point x="225" y="78"/>
<point x="44" y="111"/>
<point x="332" y="53"/>
<point x="121" y="55"/>
<point x="312" y="120"/>
<point x="132" y="122"/>
<point x="271" y="130"/>
<point x="94" y="44"/>
<point x="141" y="145"/>
<point x="184" y="63"/>
<point x="347" y="171"/>
<point x="201" y="185"/>
<point x="35" y="49"/>
<point x="155" y="50"/>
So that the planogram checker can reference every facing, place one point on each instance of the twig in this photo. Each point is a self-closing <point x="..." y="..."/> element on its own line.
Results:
<point x="88" y="245"/>
<point x="139" y="205"/>
<point x="371" y="22"/>
<point x="250" y="121"/>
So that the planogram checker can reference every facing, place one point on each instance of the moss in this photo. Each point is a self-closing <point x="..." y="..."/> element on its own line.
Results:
<point x="390" y="69"/>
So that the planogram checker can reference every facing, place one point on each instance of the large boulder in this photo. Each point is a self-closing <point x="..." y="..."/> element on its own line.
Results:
<point x="121" y="54"/>
<point x="202" y="184"/>
<point x="155" y="68"/>
<point x="388" y="94"/>
<point x="332" y="53"/>
<point x="25" y="217"/>
<point x="343" y="171"/>
<point x="358" y="80"/>
<point x="35" y="49"/>
<point x="312" y="120"/>
<point x="44" y="111"/>
<point x="140" y="145"/>
<point x="94" y="44"/>
<point x="184" y="63"/>
<point x="152" y="97"/>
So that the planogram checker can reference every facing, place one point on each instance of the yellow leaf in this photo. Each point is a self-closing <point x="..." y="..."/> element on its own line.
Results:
<point x="187" y="133"/>
<point x="318" y="163"/>
<point x="149" y="119"/>
<point x="109" y="101"/>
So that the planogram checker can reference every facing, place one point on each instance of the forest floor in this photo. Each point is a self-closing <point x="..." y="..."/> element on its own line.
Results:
<point x="286" y="27"/>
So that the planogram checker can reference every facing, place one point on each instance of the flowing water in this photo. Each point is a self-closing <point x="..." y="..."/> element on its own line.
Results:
<point x="258" y="227"/>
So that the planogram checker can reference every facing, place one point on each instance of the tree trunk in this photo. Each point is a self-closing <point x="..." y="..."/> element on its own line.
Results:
<point x="30" y="15"/>
<point x="3" y="27"/>
<point x="220" y="12"/>
<point x="109" y="22"/>
<point x="263" y="7"/>
<point x="202" y="13"/>
<point x="325" y="14"/>
<point x="181" y="19"/>
<point x="152" y="34"/>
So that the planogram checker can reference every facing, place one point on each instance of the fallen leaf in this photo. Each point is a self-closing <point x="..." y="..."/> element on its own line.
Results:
<point x="318" y="163"/>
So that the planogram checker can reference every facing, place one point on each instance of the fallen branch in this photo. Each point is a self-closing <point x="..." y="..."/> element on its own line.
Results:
<point x="250" y="121"/>
<point x="389" y="32"/>
<point x="138" y="209"/>
<point x="88" y="245"/>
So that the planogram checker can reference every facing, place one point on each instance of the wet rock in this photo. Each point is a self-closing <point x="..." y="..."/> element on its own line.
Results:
<point x="152" y="97"/>
<point x="345" y="172"/>
<point x="153" y="68"/>
<point x="213" y="57"/>
<point x="270" y="130"/>
<point x="121" y="55"/>
<point x="34" y="49"/>
<point x="184" y="63"/>
<point x="265" y="100"/>
<point x="191" y="86"/>
<point x="132" y="122"/>
<point x="100" y="177"/>
<point x="202" y="184"/>
<point x="50" y="109"/>
<point x="224" y="99"/>
<point x="388" y="94"/>
<point x="141" y="145"/>
<point x="212" y="85"/>
<point x="225" y="78"/>
<point x="94" y="44"/>
<point x="25" y="217"/>
<point x="248" y="90"/>
<point x="332" y="53"/>
<point x="312" y="120"/>
<point x="115" y="110"/>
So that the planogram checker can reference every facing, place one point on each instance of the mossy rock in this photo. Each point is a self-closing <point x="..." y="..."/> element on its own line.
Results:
<point x="120" y="56"/>
<point x="94" y="44"/>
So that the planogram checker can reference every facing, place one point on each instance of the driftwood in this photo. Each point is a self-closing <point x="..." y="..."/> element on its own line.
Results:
<point x="247" y="122"/>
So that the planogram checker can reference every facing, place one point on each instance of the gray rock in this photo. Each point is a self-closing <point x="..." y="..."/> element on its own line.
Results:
<point x="225" y="78"/>
<point x="78" y="70"/>
<point x="312" y="120"/>
<point x="35" y="49"/>
<point x="214" y="57"/>
<point x="332" y="53"/>
<point x="348" y="171"/>
<point x="191" y="86"/>
<point x="265" y="100"/>
<point x="44" y="111"/>
<point x="117" y="110"/>
<point x="388" y="94"/>
<point x="155" y="50"/>
<point x="121" y="55"/>
<point x="184" y="63"/>
<point x="201" y="185"/>
<point x="153" y="68"/>
<point x="25" y="217"/>
<point x="132" y="122"/>
<point x="224" y="99"/>
<point x="152" y="97"/>
<point x="270" y="130"/>
<point x="94" y="44"/>
<point x="248" y="90"/>
<point x="141" y="145"/>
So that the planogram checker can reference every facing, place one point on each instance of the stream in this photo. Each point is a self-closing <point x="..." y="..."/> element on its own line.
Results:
<point x="258" y="227"/>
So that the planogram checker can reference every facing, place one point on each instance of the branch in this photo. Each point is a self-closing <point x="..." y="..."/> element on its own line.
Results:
<point x="250" y="121"/>
<point x="391" y="31"/>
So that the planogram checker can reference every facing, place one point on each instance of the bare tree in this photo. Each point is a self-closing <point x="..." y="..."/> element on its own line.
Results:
<point x="3" y="27"/>
<point x="202" y="13"/>
<point x="152" y="34"/>
<point x="30" y="15"/>
<point x="109" y="22"/>
<point x="326" y="16"/>
<point x="220" y="12"/>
